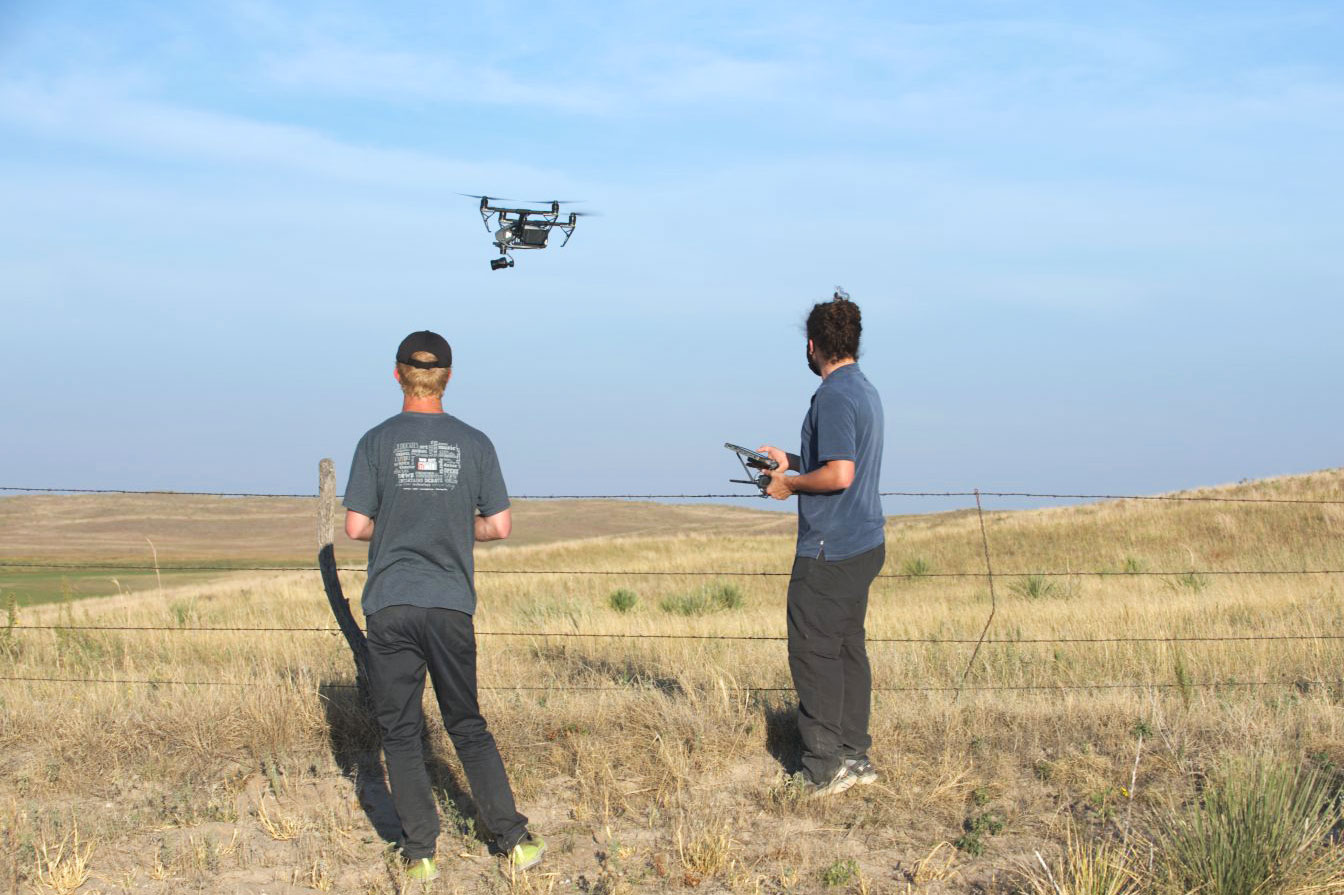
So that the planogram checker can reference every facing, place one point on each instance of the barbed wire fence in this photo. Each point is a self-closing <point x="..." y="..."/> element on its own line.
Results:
<point x="326" y="565"/>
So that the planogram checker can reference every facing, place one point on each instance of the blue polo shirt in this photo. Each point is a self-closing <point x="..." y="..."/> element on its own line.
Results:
<point x="844" y="423"/>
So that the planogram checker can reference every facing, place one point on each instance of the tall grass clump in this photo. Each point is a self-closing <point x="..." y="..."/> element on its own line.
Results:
<point x="622" y="600"/>
<point x="710" y="598"/>
<point x="1259" y="828"/>
<point x="1088" y="866"/>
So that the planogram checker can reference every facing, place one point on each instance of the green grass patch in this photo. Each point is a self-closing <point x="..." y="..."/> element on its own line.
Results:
<point x="710" y="598"/>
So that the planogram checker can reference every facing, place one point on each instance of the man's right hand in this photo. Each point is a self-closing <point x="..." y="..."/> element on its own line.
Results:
<point x="777" y="455"/>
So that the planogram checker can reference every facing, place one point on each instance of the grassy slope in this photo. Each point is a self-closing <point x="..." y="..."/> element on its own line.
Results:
<point x="672" y="777"/>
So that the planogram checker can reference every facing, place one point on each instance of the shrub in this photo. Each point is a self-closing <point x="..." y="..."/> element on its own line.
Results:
<point x="1258" y="828"/>
<point x="622" y="600"/>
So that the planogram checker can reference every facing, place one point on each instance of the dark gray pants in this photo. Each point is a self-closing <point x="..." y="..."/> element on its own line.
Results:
<point x="829" y="659"/>
<point x="404" y="642"/>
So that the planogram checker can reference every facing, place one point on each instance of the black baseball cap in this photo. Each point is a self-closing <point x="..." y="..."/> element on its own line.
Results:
<point x="424" y="340"/>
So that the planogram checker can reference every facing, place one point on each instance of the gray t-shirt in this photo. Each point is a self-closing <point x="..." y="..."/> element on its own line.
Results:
<point x="845" y="422"/>
<point x="422" y="478"/>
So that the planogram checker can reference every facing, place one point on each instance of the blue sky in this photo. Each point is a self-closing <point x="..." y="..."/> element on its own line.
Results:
<point x="1095" y="249"/>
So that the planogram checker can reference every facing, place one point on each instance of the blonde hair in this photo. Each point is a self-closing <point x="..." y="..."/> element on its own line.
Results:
<point x="418" y="383"/>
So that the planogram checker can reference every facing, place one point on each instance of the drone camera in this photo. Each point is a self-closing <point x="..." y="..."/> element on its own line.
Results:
<point x="500" y="263"/>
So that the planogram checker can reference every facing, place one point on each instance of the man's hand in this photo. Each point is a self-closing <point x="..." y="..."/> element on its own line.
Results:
<point x="780" y="487"/>
<point x="777" y="455"/>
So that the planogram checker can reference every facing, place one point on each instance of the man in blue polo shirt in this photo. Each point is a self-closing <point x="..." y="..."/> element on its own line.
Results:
<point x="841" y="549"/>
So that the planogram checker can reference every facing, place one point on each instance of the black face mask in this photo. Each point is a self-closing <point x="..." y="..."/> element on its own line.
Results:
<point x="812" y="363"/>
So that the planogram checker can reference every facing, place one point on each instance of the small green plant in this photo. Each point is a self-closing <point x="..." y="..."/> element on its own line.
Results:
<point x="622" y="600"/>
<point x="972" y="840"/>
<point x="916" y="567"/>
<point x="1258" y="828"/>
<point x="840" y="873"/>
<point x="1034" y="587"/>
<point x="1133" y="565"/>
<point x="971" y="843"/>
<point x="980" y="797"/>
<point x="1189" y="581"/>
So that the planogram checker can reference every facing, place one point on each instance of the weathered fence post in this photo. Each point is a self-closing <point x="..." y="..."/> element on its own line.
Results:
<point x="331" y="581"/>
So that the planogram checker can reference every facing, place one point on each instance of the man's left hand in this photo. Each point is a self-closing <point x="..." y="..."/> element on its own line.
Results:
<point x="779" y="486"/>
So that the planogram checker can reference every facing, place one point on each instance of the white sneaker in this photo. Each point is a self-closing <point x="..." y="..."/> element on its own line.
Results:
<point x="842" y="781"/>
<point x="862" y="770"/>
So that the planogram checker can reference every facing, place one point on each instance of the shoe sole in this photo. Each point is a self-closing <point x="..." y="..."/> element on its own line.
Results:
<point x="835" y="787"/>
<point x="530" y="864"/>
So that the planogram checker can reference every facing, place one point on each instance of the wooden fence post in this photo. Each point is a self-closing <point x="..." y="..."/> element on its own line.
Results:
<point x="331" y="581"/>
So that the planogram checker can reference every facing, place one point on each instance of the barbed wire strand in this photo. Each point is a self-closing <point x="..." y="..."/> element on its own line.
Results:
<point x="780" y="638"/>
<point x="663" y="573"/>
<point x="1299" y="683"/>
<point x="1040" y="495"/>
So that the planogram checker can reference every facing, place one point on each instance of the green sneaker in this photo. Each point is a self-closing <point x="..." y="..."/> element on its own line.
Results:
<point x="423" y="870"/>
<point x="527" y="853"/>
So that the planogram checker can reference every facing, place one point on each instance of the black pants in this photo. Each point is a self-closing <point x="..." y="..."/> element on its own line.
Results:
<point x="404" y="642"/>
<point x="828" y="658"/>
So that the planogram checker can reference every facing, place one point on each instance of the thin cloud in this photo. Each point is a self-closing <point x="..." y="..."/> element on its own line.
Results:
<point x="79" y="113"/>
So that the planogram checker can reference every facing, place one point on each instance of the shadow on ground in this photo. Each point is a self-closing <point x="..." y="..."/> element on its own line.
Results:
<point x="781" y="734"/>
<point x="356" y="746"/>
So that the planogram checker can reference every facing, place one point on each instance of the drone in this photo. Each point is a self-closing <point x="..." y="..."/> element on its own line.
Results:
<point x="524" y="228"/>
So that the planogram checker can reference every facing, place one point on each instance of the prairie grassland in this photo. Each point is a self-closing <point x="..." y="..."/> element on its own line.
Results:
<point x="647" y="763"/>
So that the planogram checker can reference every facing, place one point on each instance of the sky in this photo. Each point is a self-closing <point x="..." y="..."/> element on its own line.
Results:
<point x="1096" y="246"/>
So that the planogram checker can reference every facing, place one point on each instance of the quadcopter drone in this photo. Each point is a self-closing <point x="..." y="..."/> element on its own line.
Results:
<point x="524" y="228"/>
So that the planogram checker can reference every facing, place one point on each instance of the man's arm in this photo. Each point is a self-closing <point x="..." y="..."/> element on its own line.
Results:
<point x="494" y="528"/>
<point x="836" y="475"/>
<point x="358" y="527"/>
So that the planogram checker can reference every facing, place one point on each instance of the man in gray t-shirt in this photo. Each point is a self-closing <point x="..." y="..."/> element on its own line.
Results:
<point x="424" y="488"/>
<point x="841" y="549"/>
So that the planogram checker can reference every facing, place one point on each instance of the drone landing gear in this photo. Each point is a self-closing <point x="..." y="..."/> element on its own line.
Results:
<point x="501" y="262"/>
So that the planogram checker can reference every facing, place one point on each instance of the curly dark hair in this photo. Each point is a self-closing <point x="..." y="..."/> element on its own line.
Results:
<point x="834" y="327"/>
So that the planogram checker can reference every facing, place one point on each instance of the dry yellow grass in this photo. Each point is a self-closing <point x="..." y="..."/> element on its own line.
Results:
<point x="666" y="773"/>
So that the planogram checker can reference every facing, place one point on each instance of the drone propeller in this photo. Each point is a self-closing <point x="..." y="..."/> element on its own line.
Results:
<point x="552" y="201"/>
<point x="486" y="198"/>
